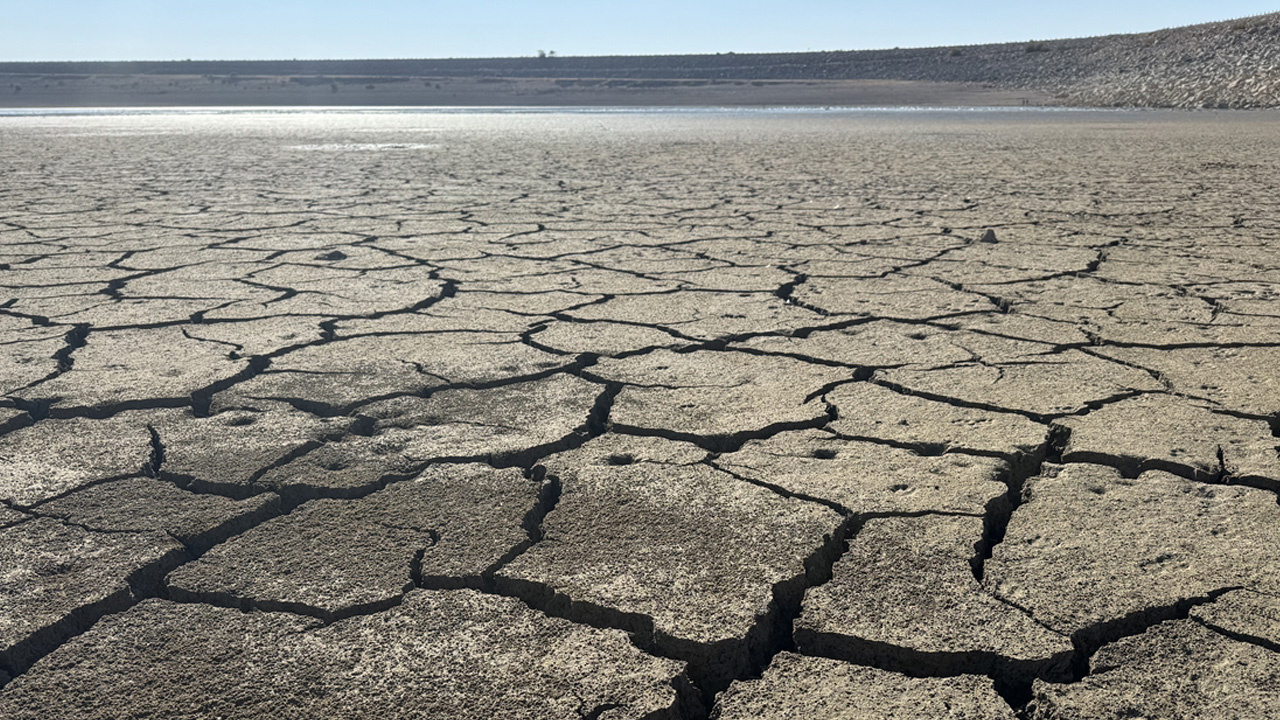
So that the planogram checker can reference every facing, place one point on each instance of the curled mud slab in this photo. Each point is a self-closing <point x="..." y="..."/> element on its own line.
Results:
<point x="632" y="415"/>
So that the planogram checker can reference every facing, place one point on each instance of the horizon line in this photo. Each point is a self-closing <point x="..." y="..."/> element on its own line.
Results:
<point x="557" y="56"/>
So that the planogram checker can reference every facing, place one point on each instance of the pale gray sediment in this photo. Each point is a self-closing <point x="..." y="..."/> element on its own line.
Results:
<point x="665" y="415"/>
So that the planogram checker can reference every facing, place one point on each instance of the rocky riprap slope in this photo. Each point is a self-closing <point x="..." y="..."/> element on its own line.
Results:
<point x="1230" y="64"/>
<point x="1233" y="64"/>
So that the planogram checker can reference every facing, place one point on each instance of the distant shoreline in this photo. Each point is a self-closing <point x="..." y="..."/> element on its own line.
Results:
<point x="1223" y="65"/>
<point x="51" y="91"/>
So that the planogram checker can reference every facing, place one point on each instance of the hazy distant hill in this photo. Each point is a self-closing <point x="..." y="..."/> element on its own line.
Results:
<point x="1233" y="64"/>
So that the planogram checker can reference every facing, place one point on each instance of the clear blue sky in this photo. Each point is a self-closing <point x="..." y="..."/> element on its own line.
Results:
<point x="259" y="29"/>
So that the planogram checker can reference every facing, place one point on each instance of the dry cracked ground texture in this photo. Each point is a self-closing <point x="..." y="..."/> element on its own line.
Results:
<point x="639" y="416"/>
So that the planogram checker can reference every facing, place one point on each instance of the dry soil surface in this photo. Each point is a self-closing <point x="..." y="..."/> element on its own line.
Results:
<point x="640" y="415"/>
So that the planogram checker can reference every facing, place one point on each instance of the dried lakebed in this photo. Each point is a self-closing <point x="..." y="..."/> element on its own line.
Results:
<point x="640" y="415"/>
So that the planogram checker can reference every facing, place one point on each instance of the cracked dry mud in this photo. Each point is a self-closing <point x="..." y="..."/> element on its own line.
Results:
<point x="667" y="415"/>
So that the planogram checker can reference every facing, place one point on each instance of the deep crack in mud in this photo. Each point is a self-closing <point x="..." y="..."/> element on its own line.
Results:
<point x="665" y="415"/>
